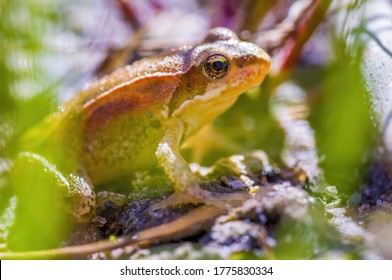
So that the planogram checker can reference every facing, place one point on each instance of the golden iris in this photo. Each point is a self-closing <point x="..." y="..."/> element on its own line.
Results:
<point x="216" y="66"/>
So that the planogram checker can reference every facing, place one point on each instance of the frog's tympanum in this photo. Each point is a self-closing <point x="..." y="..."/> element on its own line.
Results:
<point x="136" y="118"/>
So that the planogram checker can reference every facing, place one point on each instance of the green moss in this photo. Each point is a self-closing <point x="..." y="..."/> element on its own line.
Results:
<point x="150" y="186"/>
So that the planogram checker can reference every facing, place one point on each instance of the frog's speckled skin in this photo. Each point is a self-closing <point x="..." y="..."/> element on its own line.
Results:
<point x="138" y="114"/>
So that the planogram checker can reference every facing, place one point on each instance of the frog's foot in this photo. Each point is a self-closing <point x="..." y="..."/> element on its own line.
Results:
<point x="220" y="200"/>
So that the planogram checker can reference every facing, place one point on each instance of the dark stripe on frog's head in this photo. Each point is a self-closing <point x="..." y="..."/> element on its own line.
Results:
<point x="191" y="84"/>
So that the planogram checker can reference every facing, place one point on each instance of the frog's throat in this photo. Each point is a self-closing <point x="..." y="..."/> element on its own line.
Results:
<point x="212" y="94"/>
<point x="202" y="109"/>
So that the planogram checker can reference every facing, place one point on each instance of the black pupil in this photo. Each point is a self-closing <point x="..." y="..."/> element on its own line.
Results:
<point x="218" y="65"/>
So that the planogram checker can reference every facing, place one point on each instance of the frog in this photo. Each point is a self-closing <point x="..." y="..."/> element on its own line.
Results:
<point x="136" y="118"/>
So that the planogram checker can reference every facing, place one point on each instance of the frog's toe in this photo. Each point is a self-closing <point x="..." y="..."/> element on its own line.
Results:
<point x="233" y="199"/>
<point x="181" y="198"/>
<point x="172" y="201"/>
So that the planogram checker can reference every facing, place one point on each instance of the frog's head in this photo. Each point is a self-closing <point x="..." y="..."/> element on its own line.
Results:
<point x="216" y="72"/>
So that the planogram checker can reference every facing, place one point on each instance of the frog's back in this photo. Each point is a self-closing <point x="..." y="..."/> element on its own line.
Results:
<point x="167" y="64"/>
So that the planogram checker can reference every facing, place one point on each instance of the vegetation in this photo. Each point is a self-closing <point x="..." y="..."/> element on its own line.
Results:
<point x="311" y="118"/>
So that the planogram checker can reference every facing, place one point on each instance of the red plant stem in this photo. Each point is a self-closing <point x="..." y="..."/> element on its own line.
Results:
<point x="255" y="12"/>
<point x="129" y="13"/>
<point x="293" y="48"/>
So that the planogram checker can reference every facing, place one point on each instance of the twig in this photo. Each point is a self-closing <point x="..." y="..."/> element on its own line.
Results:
<point x="181" y="227"/>
<point x="293" y="49"/>
<point x="256" y="11"/>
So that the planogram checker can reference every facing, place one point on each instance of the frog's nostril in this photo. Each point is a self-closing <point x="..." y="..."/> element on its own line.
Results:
<point x="245" y="60"/>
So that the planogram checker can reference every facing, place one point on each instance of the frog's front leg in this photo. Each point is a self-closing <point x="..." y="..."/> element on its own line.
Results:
<point x="35" y="179"/>
<point x="186" y="186"/>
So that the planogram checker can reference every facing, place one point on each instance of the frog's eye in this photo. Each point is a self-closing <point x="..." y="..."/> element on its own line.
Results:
<point x="216" y="66"/>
